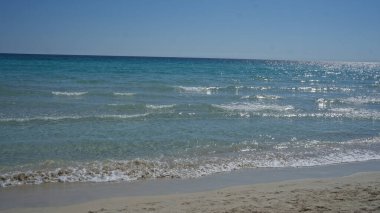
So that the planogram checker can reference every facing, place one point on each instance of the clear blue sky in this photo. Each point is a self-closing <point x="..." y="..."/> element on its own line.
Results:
<point x="346" y="30"/>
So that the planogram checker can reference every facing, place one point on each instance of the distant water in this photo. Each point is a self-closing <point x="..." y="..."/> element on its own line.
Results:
<point x="92" y="118"/>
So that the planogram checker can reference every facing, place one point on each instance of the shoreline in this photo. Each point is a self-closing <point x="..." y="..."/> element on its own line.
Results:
<point x="77" y="196"/>
<point x="355" y="193"/>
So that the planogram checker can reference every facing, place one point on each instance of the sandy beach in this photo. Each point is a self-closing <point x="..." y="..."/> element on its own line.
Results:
<point x="359" y="192"/>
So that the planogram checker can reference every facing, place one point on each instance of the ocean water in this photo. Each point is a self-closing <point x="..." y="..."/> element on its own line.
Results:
<point x="94" y="118"/>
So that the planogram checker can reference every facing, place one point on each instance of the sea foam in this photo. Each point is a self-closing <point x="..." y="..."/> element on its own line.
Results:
<point x="290" y="154"/>
<point x="361" y="100"/>
<point x="253" y="107"/>
<point x="69" y="93"/>
<point x="199" y="90"/>
<point x="73" y="117"/>
<point x="151" y="106"/>
<point x="123" y="93"/>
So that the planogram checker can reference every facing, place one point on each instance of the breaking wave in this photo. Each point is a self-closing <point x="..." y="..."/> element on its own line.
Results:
<point x="199" y="90"/>
<point x="290" y="154"/>
<point x="348" y="113"/>
<point x="310" y="89"/>
<point x="360" y="100"/>
<point x="253" y="107"/>
<point x="323" y="103"/>
<point x="123" y="93"/>
<point x="74" y="117"/>
<point x="68" y="93"/>
<point x="151" y="106"/>
<point x="261" y="97"/>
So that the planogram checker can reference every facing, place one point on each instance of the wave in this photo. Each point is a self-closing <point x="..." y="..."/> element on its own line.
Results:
<point x="199" y="90"/>
<point x="69" y="93"/>
<point x="261" y="97"/>
<point x="243" y="110"/>
<point x="142" y="106"/>
<point x="236" y="89"/>
<point x="349" y="113"/>
<point x="216" y="89"/>
<point x="361" y="113"/>
<point x="289" y="154"/>
<point x="253" y="107"/>
<point x="324" y="103"/>
<point x="151" y="106"/>
<point x="360" y="100"/>
<point x="73" y="117"/>
<point x="180" y="168"/>
<point x="122" y="116"/>
<point x="270" y="97"/>
<point x="260" y="88"/>
<point x="319" y="89"/>
<point x="328" y="115"/>
<point x="123" y="93"/>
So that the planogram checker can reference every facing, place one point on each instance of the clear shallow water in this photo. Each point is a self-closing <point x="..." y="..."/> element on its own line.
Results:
<point x="92" y="118"/>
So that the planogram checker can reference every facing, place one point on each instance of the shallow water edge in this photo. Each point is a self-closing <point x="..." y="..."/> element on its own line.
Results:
<point x="46" y="195"/>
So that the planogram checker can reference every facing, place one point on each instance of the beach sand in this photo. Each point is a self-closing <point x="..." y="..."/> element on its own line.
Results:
<point x="355" y="193"/>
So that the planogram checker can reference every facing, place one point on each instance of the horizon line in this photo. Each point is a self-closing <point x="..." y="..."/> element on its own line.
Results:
<point x="188" y="57"/>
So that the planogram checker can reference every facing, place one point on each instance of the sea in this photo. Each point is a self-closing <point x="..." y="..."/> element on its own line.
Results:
<point x="107" y="118"/>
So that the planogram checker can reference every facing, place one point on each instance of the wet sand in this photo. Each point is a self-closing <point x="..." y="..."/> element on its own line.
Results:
<point x="276" y="190"/>
<point x="355" y="193"/>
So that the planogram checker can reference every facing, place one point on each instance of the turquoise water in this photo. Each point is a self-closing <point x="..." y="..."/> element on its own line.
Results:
<point x="93" y="118"/>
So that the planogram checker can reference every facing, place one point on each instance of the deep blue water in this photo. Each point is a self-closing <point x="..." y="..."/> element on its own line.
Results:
<point x="94" y="118"/>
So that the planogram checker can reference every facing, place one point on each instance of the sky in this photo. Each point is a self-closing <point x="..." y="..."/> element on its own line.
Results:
<point x="337" y="30"/>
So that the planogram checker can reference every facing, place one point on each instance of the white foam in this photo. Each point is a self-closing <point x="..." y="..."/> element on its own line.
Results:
<point x="43" y="118"/>
<point x="349" y="113"/>
<point x="150" y="106"/>
<point x="318" y="89"/>
<point x="287" y="154"/>
<point x="311" y="89"/>
<point x="123" y="93"/>
<point x="188" y="113"/>
<point x="365" y="141"/>
<point x="74" y="117"/>
<point x="247" y="150"/>
<point x="253" y="107"/>
<point x="269" y="97"/>
<point x="361" y="100"/>
<point x="182" y="168"/>
<point x="121" y="116"/>
<point x="69" y="93"/>
<point x="332" y="158"/>
<point x="262" y="97"/>
<point x="322" y="103"/>
<point x="260" y="88"/>
<point x="199" y="90"/>
<point x="357" y="113"/>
